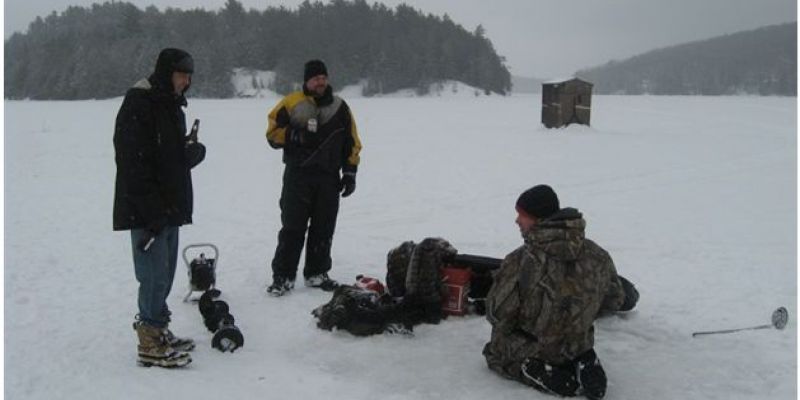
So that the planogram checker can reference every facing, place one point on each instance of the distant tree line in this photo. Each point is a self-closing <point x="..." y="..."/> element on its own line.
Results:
<point x="100" y="51"/>
<point x="761" y="61"/>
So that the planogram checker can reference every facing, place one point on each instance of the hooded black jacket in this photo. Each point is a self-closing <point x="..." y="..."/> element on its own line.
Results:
<point x="153" y="182"/>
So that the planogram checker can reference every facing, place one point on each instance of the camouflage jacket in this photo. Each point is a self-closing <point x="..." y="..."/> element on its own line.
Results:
<point x="548" y="292"/>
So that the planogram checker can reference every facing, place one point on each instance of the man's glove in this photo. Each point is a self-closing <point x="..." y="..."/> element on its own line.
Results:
<point x="348" y="184"/>
<point x="301" y="137"/>
<point x="195" y="153"/>
<point x="150" y="232"/>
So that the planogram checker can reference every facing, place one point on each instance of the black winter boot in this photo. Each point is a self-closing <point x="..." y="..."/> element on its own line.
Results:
<point x="321" y="281"/>
<point x="549" y="378"/>
<point x="280" y="286"/>
<point x="631" y="295"/>
<point x="591" y="375"/>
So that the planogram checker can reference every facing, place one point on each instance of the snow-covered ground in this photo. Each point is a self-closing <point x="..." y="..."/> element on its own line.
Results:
<point x="694" y="197"/>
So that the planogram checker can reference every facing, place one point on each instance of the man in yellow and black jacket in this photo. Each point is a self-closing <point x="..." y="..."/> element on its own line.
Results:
<point x="321" y="150"/>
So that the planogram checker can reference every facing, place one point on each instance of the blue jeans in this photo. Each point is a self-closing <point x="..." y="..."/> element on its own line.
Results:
<point x="155" y="271"/>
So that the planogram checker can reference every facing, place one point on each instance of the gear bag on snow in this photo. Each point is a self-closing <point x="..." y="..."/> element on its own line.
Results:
<point x="360" y="311"/>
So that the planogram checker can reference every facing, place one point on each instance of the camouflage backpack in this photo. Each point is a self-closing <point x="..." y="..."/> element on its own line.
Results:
<point x="396" y="266"/>
<point x="413" y="274"/>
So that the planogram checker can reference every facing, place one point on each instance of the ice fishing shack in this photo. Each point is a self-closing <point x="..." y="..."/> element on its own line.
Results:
<point x="566" y="101"/>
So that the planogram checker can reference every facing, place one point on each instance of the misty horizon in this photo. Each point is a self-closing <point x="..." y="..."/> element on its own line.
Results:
<point x="533" y="38"/>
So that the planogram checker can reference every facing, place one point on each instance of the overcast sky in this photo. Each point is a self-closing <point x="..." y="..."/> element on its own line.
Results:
<point x="539" y="38"/>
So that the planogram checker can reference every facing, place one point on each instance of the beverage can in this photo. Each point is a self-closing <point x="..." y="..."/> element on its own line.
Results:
<point x="312" y="125"/>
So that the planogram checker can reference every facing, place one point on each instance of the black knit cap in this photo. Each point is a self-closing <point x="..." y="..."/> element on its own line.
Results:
<point x="539" y="201"/>
<point x="314" y="68"/>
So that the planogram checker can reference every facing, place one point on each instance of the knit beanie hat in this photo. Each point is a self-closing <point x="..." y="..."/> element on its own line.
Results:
<point x="539" y="201"/>
<point x="314" y="68"/>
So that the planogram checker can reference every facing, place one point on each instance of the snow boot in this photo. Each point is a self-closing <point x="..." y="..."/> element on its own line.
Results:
<point x="154" y="349"/>
<point x="322" y="281"/>
<point x="631" y="295"/>
<point x="178" y="343"/>
<point x="280" y="286"/>
<point x="550" y="378"/>
<point x="591" y="375"/>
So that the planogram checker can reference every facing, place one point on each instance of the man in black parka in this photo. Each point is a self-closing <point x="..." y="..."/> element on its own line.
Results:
<point x="153" y="196"/>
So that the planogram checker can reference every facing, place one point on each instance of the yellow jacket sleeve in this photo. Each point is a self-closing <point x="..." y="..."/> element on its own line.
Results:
<point x="353" y="158"/>
<point x="277" y="124"/>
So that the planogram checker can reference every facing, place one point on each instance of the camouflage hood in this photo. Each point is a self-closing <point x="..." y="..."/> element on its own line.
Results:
<point x="560" y="236"/>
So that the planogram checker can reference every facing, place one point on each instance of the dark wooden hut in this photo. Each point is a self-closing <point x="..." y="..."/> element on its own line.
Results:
<point x="566" y="102"/>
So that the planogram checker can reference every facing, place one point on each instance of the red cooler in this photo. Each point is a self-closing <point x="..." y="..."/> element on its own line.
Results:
<point x="456" y="284"/>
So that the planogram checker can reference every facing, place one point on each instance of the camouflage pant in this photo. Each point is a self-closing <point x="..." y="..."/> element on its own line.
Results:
<point x="544" y="377"/>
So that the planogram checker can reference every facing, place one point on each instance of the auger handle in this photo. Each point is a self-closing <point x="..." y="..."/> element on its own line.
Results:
<point x="730" y="330"/>
<point x="196" y="245"/>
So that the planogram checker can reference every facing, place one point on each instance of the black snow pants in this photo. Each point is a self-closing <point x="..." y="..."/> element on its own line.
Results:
<point x="309" y="201"/>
